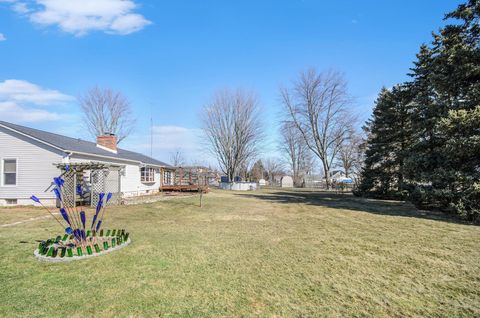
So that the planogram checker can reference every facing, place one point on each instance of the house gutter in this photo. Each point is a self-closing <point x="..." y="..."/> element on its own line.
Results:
<point x="71" y="152"/>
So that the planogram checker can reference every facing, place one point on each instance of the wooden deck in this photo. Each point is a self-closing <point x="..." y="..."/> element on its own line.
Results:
<point x="184" y="188"/>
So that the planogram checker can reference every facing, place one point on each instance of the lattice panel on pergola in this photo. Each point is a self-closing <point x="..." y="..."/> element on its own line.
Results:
<point x="103" y="178"/>
<point x="97" y="179"/>
<point x="69" y="189"/>
<point x="112" y="184"/>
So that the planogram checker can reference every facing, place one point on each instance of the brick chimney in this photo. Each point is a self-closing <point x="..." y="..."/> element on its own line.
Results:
<point x="108" y="142"/>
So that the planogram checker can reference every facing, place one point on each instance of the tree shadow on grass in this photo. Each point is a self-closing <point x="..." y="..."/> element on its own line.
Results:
<point x="348" y="201"/>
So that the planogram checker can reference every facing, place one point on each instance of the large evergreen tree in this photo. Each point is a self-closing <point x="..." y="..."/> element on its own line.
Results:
<point x="435" y="150"/>
<point x="388" y="144"/>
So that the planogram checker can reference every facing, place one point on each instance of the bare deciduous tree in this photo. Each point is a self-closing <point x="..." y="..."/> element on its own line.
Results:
<point x="273" y="167"/>
<point x="232" y="129"/>
<point x="350" y="152"/>
<point x="176" y="158"/>
<point x="106" y="111"/>
<point x="297" y="153"/>
<point x="316" y="104"/>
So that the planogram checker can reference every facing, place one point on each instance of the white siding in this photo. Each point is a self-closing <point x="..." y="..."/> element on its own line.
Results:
<point x="131" y="184"/>
<point x="130" y="177"/>
<point x="35" y="169"/>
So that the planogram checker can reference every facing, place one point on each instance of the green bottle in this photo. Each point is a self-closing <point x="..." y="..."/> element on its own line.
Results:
<point x="50" y="252"/>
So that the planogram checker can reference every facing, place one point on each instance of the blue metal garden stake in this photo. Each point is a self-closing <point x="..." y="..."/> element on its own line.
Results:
<point x="68" y="230"/>
<point x="99" y="207"/>
<point x="71" y="220"/>
<point x="109" y="196"/>
<point x="59" y="193"/>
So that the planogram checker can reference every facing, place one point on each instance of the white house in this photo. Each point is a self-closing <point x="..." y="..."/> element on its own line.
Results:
<point x="29" y="159"/>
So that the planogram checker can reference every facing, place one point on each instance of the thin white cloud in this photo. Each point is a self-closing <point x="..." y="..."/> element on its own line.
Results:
<point x="168" y="139"/>
<point x="20" y="7"/>
<point x="2" y="37"/>
<point x="22" y="101"/>
<point x="23" y="91"/>
<point x="12" y="112"/>
<point x="80" y="17"/>
<point x="172" y="137"/>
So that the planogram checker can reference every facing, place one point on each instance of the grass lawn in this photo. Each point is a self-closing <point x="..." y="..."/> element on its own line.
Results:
<point x="269" y="253"/>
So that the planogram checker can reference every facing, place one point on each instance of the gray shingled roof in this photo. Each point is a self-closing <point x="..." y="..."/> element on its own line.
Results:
<point x="79" y="145"/>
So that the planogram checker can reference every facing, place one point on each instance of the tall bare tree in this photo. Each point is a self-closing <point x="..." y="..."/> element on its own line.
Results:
<point x="176" y="158"/>
<point x="297" y="154"/>
<point x="106" y="111"/>
<point x="316" y="104"/>
<point x="232" y="129"/>
<point x="350" y="153"/>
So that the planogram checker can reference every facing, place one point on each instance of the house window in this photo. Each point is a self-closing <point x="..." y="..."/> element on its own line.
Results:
<point x="147" y="174"/>
<point x="11" y="201"/>
<point x="9" y="171"/>
<point x="167" y="177"/>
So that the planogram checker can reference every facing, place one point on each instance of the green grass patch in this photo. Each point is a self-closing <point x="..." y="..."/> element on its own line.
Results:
<point x="268" y="254"/>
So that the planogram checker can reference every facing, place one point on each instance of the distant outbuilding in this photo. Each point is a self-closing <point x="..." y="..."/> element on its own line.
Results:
<point x="262" y="182"/>
<point x="286" y="182"/>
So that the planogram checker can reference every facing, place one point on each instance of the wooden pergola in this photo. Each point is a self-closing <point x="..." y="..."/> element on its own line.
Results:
<point x="103" y="178"/>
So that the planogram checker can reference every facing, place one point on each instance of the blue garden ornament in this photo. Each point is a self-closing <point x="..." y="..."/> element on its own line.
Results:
<point x="79" y="189"/>
<point x="65" y="215"/>
<point x="37" y="200"/>
<point x="99" y="207"/>
<point x="103" y="207"/>
<point x="83" y="218"/>
<point x="100" y="202"/>
<point x="94" y="219"/>
<point x="57" y="194"/>
<point x="98" y="225"/>
<point x="76" y="241"/>
<point x="59" y="182"/>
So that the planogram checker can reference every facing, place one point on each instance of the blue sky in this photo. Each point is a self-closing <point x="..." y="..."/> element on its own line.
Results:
<point x="169" y="57"/>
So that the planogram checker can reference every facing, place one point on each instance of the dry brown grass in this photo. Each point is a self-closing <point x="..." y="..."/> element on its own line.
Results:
<point x="268" y="253"/>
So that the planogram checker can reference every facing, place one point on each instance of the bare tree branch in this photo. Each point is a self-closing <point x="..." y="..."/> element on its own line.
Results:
<point x="316" y="105"/>
<point x="296" y="151"/>
<point x="232" y="129"/>
<point x="176" y="158"/>
<point x="106" y="111"/>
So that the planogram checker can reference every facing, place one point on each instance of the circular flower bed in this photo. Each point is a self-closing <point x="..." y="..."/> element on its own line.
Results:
<point x="69" y="247"/>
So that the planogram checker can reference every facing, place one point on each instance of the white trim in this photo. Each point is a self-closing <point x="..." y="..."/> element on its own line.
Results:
<point x="106" y="148"/>
<point x="2" y="174"/>
<point x="108" y="157"/>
